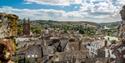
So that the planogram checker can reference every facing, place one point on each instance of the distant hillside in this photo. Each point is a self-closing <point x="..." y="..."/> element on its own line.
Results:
<point x="65" y="22"/>
<point x="111" y="24"/>
<point x="43" y="22"/>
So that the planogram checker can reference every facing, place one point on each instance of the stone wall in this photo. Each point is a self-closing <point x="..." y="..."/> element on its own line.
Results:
<point x="8" y="25"/>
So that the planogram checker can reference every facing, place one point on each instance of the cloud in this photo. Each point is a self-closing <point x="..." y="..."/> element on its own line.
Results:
<point x="33" y="14"/>
<point x="50" y="2"/>
<point x="100" y="9"/>
<point x="61" y="15"/>
<point x="88" y="7"/>
<point x="54" y="2"/>
<point x="43" y="14"/>
<point x="90" y="10"/>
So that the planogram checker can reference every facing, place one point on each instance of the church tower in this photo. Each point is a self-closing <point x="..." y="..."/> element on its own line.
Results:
<point x="26" y="27"/>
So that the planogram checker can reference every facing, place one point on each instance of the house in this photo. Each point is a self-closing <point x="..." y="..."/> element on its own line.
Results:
<point x="31" y="53"/>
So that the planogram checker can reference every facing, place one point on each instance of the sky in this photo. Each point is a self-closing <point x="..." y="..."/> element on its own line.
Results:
<point x="65" y="10"/>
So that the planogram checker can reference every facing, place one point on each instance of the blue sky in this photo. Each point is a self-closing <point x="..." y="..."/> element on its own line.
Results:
<point x="65" y="10"/>
<point x="21" y="4"/>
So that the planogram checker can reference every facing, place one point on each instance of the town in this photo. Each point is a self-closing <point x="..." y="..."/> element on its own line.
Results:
<point x="48" y="41"/>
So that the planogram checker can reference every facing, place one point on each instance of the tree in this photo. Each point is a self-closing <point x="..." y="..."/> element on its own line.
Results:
<point x="36" y="29"/>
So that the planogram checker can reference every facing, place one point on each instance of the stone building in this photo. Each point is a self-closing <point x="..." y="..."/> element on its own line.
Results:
<point x="8" y="24"/>
<point x="26" y="27"/>
<point x="121" y="28"/>
<point x="8" y="29"/>
<point x="32" y="53"/>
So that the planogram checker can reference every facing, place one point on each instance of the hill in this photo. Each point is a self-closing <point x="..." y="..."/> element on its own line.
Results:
<point x="42" y="22"/>
<point x="111" y="24"/>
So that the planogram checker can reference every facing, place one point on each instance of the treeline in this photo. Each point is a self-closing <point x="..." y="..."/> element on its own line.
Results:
<point x="39" y="25"/>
